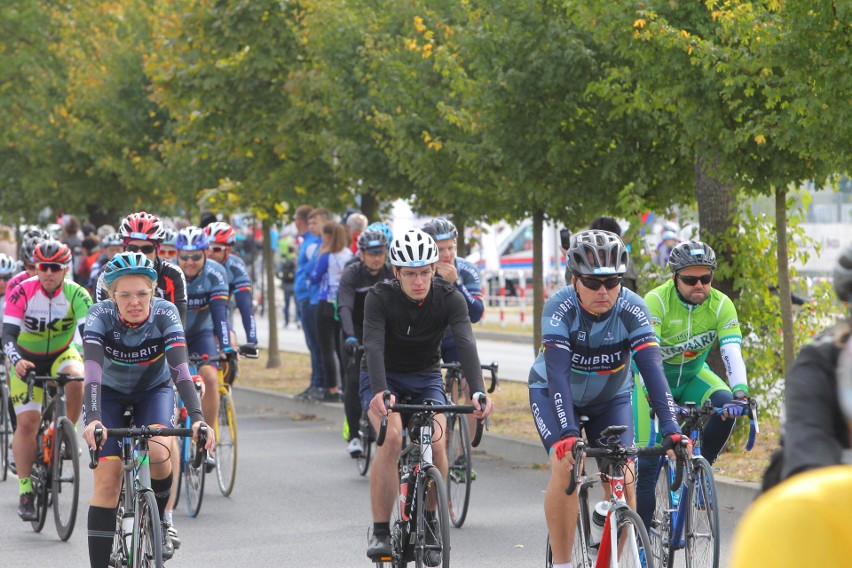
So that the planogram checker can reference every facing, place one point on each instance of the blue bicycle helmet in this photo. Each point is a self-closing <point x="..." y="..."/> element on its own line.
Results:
<point x="8" y="265"/>
<point x="126" y="263"/>
<point x="382" y="228"/>
<point x="191" y="238"/>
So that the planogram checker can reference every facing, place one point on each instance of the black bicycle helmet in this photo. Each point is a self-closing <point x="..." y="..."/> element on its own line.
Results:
<point x="691" y="253"/>
<point x="372" y="240"/>
<point x="597" y="252"/>
<point x="842" y="276"/>
<point x="441" y="229"/>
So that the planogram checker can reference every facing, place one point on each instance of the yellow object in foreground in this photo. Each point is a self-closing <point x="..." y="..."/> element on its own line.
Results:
<point x="801" y="522"/>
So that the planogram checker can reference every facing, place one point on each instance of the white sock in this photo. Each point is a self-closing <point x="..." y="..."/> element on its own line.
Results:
<point x="566" y="565"/>
<point x="167" y="517"/>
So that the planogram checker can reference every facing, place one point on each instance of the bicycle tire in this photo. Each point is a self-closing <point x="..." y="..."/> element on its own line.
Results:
<point x="399" y="530"/>
<point x="193" y="478"/>
<point x="181" y="467"/>
<point x="41" y="472"/>
<point x="365" y="434"/>
<point x="459" y="474"/>
<point x="147" y="533"/>
<point x="226" y="444"/>
<point x="660" y="532"/>
<point x="634" y="545"/>
<point x="119" y="555"/>
<point x="5" y="430"/>
<point x="702" y="518"/>
<point x="66" y="478"/>
<point x="432" y="483"/>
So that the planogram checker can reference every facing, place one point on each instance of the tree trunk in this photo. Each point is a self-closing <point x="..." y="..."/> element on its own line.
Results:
<point x="784" y="292"/>
<point x="717" y="208"/>
<point x="370" y="207"/>
<point x="538" y="276"/>
<point x="274" y="360"/>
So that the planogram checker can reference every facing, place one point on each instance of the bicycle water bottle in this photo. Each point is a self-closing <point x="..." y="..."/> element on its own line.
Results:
<point x="47" y="444"/>
<point x="127" y="530"/>
<point x="403" y="495"/>
<point x="598" y="520"/>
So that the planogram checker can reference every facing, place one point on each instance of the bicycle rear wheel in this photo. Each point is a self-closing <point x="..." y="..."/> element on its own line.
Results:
<point x="365" y="434"/>
<point x="193" y="479"/>
<point x="634" y="546"/>
<point x="147" y="534"/>
<point x="119" y="555"/>
<point x="5" y="429"/>
<point x="459" y="474"/>
<point x="661" y="523"/>
<point x="702" y="518"/>
<point x="66" y="478"/>
<point x="41" y="473"/>
<point x="226" y="444"/>
<point x="434" y="526"/>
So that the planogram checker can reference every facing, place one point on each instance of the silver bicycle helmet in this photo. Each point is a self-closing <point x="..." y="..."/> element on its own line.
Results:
<point x="691" y="253"/>
<point x="597" y="252"/>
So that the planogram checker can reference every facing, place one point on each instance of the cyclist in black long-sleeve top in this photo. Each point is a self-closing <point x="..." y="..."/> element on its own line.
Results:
<point x="404" y="321"/>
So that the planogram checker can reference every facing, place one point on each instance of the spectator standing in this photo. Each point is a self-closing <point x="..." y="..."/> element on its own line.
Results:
<point x="310" y="244"/>
<point x="317" y="218"/>
<point x="287" y="273"/>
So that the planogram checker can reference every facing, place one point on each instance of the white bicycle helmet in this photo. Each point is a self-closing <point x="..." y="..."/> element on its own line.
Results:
<point x="8" y="265"/>
<point x="413" y="248"/>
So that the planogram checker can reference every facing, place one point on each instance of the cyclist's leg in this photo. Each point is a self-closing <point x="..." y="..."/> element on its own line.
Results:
<point x="560" y="509"/>
<point x="71" y="362"/>
<point x="615" y="412"/>
<point x="28" y="415"/>
<point x="351" y="398"/>
<point x="156" y="407"/>
<point x="708" y="385"/>
<point x="107" y="482"/>
<point x="204" y="344"/>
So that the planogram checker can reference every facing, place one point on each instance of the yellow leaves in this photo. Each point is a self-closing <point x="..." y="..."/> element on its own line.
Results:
<point x="432" y="143"/>
<point x="419" y="27"/>
<point x="427" y="50"/>
<point x="640" y="23"/>
<point x="760" y="139"/>
<point x="412" y="44"/>
<point x="249" y="154"/>
<point x="684" y="34"/>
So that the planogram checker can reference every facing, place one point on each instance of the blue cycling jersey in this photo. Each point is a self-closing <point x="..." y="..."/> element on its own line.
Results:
<point x="470" y="285"/>
<point x="239" y="285"/>
<point x="207" y="297"/>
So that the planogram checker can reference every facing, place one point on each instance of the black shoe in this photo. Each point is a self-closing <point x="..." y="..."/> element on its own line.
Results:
<point x="305" y="394"/>
<point x="318" y="394"/>
<point x="332" y="397"/>
<point x="26" y="507"/>
<point x="379" y="547"/>
<point x="432" y="556"/>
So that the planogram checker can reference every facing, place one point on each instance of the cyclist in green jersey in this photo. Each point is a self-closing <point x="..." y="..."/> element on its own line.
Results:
<point x="689" y="317"/>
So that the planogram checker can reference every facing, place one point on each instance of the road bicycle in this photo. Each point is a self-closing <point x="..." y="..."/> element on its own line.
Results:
<point x="365" y="429"/>
<point x="187" y="459"/>
<point x="226" y="425"/>
<point x="624" y="541"/>
<point x="459" y="455"/>
<point x="688" y="518"/>
<point x="56" y="470"/>
<point x="138" y="538"/>
<point x="420" y="524"/>
<point x="5" y="422"/>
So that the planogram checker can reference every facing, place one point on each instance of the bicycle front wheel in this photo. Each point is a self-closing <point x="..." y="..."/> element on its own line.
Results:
<point x="661" y="523"/>
<point x="433" y="526"/>
<point x="66" y="478"/>
<point x="226" y="444"/>
<point x="634" y="546"/>
<point x="459" y="474"/>
<point x="702" y="518"/>
<point x="147" y="534"/>
<point x="5" y="430"/>
<point x="193" y="480"/>
<point x="365" y="434"/>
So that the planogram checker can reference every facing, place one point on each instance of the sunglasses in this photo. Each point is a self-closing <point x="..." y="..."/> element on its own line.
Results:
<point x="50" y="267"/>
<point x="193" y="257"/>
<point x="218" y="249"/>
<point x="693" y="280"/>
<point x="167" y="253"/>
<point x="5" y="277"/>
<point x="144" y="249"/>
<point x="595" y="284"/>
<point x="29" y="267"/>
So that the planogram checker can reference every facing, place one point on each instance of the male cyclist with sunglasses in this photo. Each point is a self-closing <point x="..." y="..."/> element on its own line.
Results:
<point x="689" y="317"/>
<point x="591" y="330"/>
<point x="43" y="315"/>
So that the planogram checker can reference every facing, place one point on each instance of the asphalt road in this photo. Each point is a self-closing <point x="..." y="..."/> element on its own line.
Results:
<point x="299" y="501"/>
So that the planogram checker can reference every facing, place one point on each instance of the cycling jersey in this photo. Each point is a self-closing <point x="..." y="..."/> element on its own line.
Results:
<point x="37" y="326"/>
<point x="239" y="286"/>
<point x="355" y="282"/>
<point x="470" y="285"/>
<point x="404" y="336"/>
<point x="207" y="294"/>
<point x="17" y="279"/>
<point x="171" y="286"/>
<point x="585" y="358"/>
<point x="687" y="332"/>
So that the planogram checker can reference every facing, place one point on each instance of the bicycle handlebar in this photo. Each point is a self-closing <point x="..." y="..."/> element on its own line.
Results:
<point x="491" y="368"/>
<point x="61" y="379"/>
<point x="148" y="432"/>
<point x="432" y="408"/>
<point x="693" y="414"/>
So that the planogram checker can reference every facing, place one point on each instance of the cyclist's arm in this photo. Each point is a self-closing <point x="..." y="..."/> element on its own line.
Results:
<point x="346" y="300"/>
<point x="175" y="288"/>
<point x="243" y="299"/>
<point x="374" y="342"/>
<point x="469" y="285"/>
<point x="93" y="365"/>
<point x="650" y="365"/>
<point x="730" y="345"/>
<point x="557" y="349"/>
<point x="465" y="342"/>
<point x="218" y="301"/>
<point x="80" y="304"/>
<point x="10" y="341"/>
<point x="176" y="358"/>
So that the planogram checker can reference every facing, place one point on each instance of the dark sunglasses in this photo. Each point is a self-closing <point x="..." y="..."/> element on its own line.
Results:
<point x="6" y="277"/>
<point x="218" y="249"/>
<point x="50" y="267"/>
<point x="595" y="284"/>
<point x="144" y="249"/>
<point x="693" y="280"/>
<point x="193" y="257"/>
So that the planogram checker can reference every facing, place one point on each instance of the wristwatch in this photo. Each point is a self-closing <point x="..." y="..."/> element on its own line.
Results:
<point x="740" y="393"/>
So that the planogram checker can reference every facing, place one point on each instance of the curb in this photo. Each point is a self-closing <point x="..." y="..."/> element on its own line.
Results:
<point x="732" y="494"/>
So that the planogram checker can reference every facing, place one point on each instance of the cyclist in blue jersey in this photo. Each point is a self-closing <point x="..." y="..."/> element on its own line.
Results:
<point x="133" y="349"/>
<point x="222" y="238"/>
<point x="207" y="293"/>
<point x="591" y="330"/>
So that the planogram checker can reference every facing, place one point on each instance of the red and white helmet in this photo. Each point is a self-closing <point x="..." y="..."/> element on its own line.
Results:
<point x="52" y="251"/>
<point x="141" y="226"/>
<point x="220" y="233"/>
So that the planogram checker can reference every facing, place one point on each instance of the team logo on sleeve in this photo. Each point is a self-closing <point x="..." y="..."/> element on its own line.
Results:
<point x="732" y="324"/>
